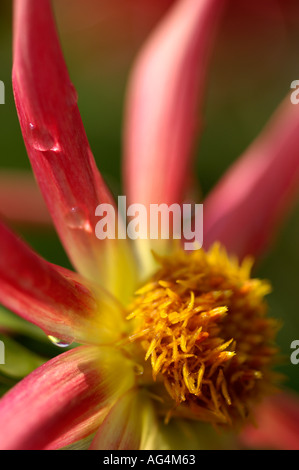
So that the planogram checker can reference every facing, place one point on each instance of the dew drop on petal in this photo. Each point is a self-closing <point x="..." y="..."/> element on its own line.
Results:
<point x="40" y="138"/>
<point x="56" y="148"/>
<point x="138" y="369"/>
<point x="77" y="219"/>
<point x="58" y="342"/>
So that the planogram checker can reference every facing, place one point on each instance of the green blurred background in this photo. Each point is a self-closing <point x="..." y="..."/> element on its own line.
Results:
<point x="256" y="57"/>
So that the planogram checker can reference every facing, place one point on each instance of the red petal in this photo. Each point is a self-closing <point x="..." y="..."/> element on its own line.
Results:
<point x="57" y="145"/>
<point x="121" y="429"/>
<point x="277" y="424"/>
<point x="245" y="208"/>
<point x="62" y="401"/>
<point x="52" y="298"/>
<point x="162" y="108"/>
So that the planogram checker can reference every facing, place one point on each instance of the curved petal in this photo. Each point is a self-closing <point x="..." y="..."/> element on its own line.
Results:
<point x="161" y="119"/>
<point x="165" y="89"/>
<point x="277" y="424"/>
<point x="53" y="298"/>
<point x="64" y="400"/>
<point x="59" y="151"/>
<point x="246" y="206"/>
<point x="122" y="427"/>
<point x="20" y="199"/>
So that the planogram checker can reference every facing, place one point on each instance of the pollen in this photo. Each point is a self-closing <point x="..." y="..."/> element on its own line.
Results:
<point x="201" y="322"/>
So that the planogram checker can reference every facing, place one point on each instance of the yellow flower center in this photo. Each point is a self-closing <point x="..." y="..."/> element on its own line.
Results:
<point x="202" y="322"/>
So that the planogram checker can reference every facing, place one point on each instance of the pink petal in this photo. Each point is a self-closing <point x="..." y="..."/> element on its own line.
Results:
<point x="20" y="199"/>
<point x="62" y="401"/>
<point x="121" y="429"/>
<point x="277" y="424"/>
<point x="58" y="148"/>
<point x="165" y="90"/>
<point x="53" y="298"/>
<point x="246" y="207"/>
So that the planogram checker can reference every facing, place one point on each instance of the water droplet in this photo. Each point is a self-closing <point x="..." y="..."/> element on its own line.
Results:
<point x="56" y="148"/>
<point x="40" y="138"/>
<point x="59" y="342"/>
<point x="138" y="369"/>
<point x="77" y="219"/>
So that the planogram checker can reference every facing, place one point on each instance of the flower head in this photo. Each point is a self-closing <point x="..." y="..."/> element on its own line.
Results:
<point x="202" y="322"/>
